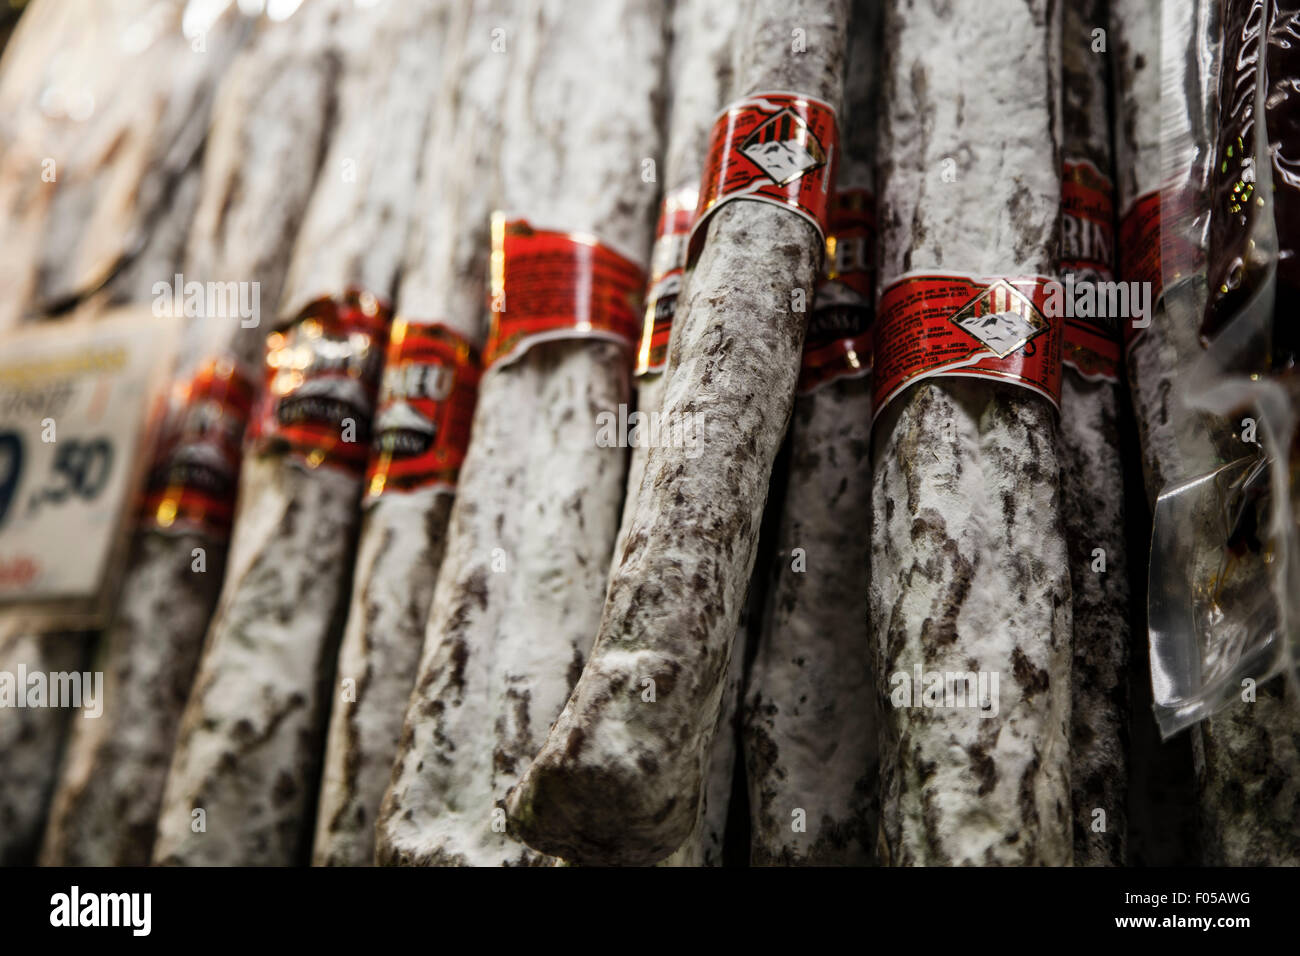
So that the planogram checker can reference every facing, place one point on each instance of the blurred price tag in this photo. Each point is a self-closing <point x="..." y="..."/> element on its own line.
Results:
<point x="76" y="415"/>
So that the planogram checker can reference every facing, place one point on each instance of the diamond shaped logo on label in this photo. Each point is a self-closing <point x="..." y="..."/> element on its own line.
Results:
<point x="784" y="148"/>
<point x="1001" y="318"/>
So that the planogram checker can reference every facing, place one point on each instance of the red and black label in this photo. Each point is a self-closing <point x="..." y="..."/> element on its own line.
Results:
<point x="1087" y="252"/>
<point x="840" y="358"/>
<point x="776" y="147"/>
<point x="549" y="285"/>
<point x="839" y="339"/>
<point x="192" y="484"/>
<point x="1140" y="251"/>
<point x="1151" y="251"/>
<point x="667" y="268"/>
<point x="426" y="407"/>
<point x="322" y="374"/>
<point x="941" y="324"/>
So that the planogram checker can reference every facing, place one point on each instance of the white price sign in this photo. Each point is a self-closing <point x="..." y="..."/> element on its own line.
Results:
<point x="75" y="410"/>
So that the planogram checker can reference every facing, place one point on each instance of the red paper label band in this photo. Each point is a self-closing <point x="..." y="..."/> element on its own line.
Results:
<point x="1140" y="252"/>
<point x="426" y="406"/>
<point x="938" y="324"/>
<point x="1088" y="243"/>
<point x="842" y="358"/>
<point x="192" y="484"/>
<point x="839" y="339"/>
<point x="550" y="285"/>
<point x="322" y="378"/>
<point x="771" y="147"/>
<point x="667" y="267"/>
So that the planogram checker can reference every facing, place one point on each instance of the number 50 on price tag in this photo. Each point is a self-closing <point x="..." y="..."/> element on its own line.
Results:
<point x="77" y="408"/>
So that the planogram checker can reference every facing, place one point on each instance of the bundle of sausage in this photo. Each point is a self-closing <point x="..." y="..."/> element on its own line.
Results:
<point x="95" y="189"/>
<point x="620" y="775"/>
<point x="700" y="70"/>
<point x="970" y="588"/>
<point x="518" y="600"/>
<point x="420" y="437"/>
<point x="809" y="724"/>
<point x="243" y="778"/>
<point x="270" y="118"/>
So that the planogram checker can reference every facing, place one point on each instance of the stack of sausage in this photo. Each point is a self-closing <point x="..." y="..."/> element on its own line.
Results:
<point x="540" y="524"/>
